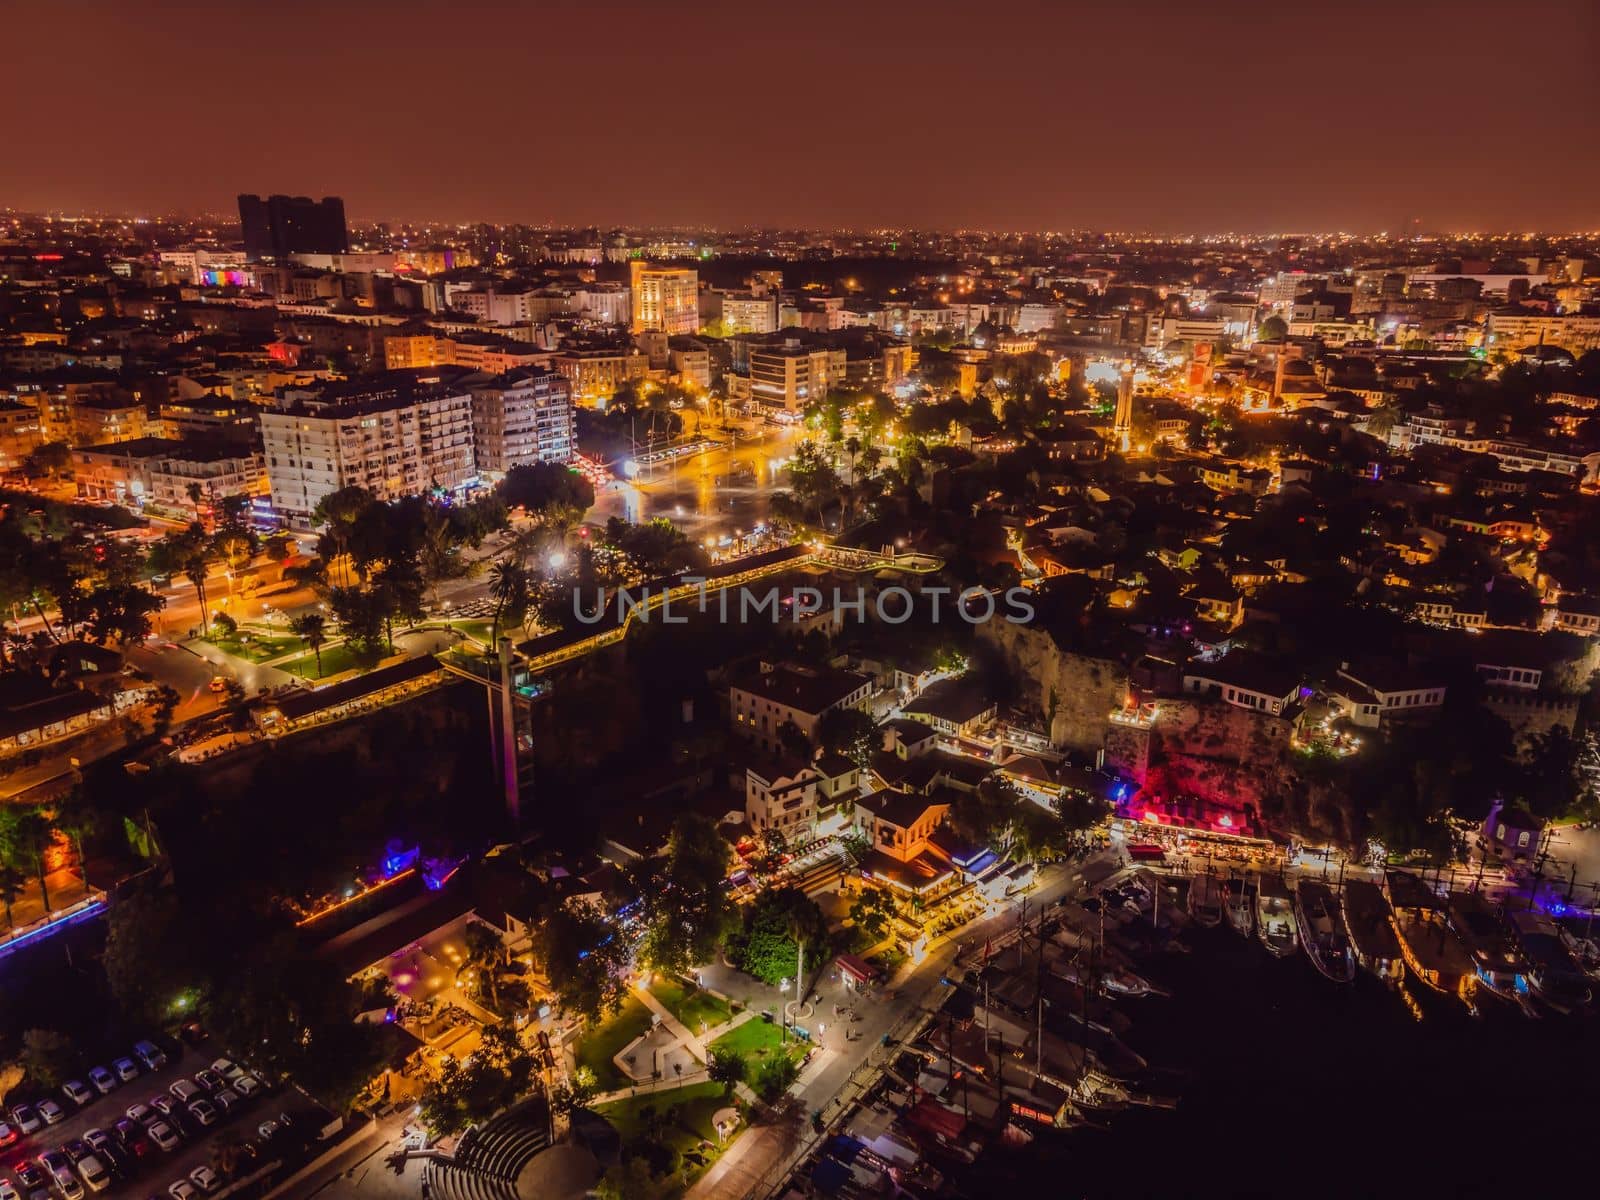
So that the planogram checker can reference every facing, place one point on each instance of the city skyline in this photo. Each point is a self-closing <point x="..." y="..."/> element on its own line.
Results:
<point x="1162" y="121"/>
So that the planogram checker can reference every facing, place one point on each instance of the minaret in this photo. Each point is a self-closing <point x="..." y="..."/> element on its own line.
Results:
<point x="1122" y="427"/>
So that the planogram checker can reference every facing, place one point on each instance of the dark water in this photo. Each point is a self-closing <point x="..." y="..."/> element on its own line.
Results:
<point x="1295" y="1086"/>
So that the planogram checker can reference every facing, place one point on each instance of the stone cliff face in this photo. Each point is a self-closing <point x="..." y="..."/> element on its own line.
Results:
<point x="1211" y="750"/>
<point x="1074" y="693"/>
<point x="1231" y="757"/>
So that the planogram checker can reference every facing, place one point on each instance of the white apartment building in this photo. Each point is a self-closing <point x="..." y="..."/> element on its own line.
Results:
<point x="665" y="298"/>
<point x="1517" y="331"/>
<point x="606" y="303"/>
<point x="156" y="473"/>
<point x="519" y="418"/>
<point x="744" y="313"/>
<point x="1190" y="329"/>
<point x="396" y="434"/>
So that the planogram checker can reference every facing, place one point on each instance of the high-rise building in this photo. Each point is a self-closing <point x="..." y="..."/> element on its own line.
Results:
<point x="283" y="225"/>
<point x="398" y="433"/>
<point x="665" y="298"/>
<point x="520" y="418"/>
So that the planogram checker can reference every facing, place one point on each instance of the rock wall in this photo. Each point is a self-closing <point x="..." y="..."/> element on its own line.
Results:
<point x="1532" y="715"/>
<point x="1073" y="693"/>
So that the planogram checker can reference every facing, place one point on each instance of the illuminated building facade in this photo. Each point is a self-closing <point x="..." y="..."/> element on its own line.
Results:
<point x="665" y="298"/>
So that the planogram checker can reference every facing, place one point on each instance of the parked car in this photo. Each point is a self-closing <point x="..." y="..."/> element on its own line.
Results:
<point x="104" y="1081"/>
<point x="150" y="1054"/>
<point x="167" y="1107"/>
<point x="77" y="1091"/>
<point x="127" y="1070"/>
<point x="132" y="1136"/>
<point x="205" y="1179"/>
<point x="8" y="1190"/>
<point x="227" y="1100"/>
<point x="140" y="1114"/>
<point x="164" y="1136"/>
<point x="269" y="1129"/>
<point x="75" y="1149"/>
<point x="7" y="1135"/>
<point x="52" y="1112"/>
<point x="226" y="1067"/>
<point x="26" y="1118"/>
<point x="28" y="1175"/>
<point x="182" y="1190"/>
<point x="202" y="1112"/>
<point x="59" y="1168"/>
<point x="210" y="1080"/>
<point x="93" y="1172"/>
<point x="184" y="1090"/>
<point x="246" y="1084"/>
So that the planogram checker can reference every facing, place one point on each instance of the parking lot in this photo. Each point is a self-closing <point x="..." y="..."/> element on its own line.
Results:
<point x="151" y="1174"/>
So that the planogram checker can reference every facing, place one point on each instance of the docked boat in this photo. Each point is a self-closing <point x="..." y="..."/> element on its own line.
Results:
<point x="1431" y="949"/>
<point x="1205" y="900"/>
<point x="1552" y="974"/>
<point x="1239" y="903"/>
<point x="1322" y="931"/>
<point x="1367" y="920"/>
<point x="1275" y="916"/>
<point x="1500" y="969"/>
<point x="1583" y="950"/>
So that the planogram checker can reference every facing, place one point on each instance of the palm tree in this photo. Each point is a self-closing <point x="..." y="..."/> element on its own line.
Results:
<point x="337" y="513"/>
<point x="312" y="628"/>
<point x="524" y="544"/>
<point x="508" y="584"/>
<point x="188" y="553"/>
<point x="852" y="447"/>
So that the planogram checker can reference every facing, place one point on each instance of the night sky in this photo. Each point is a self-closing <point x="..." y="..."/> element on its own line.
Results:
<point x="1164" y="115"/>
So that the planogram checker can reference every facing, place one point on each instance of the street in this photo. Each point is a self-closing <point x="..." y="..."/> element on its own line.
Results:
<point x="688" y="492"/>
<point x="763" y="1156"/>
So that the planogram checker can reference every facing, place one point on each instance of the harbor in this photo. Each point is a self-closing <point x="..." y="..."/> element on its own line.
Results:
<point x="1099" y="1022"/>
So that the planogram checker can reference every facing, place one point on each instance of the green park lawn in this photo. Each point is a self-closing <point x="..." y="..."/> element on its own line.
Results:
<point x="756" y="1041"/>
<point x="691" y="1107"/>
<point x="479" y="629"/>
<point x="334" y="660"/>
<point x="257" y="647"/>
<point x="602" y="1043"/>
<point x="694" y="1007"/>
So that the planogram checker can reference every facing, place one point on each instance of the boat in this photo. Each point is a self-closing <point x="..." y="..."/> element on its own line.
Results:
<point x="1367" y="920"/>
<point x="1275" y="917"/>
<point x="1205" y="900"/>
<point x="1431" y="949"/>
<point x="1499" y="967"/>
<point x="1239" y="904"/>
<point x="1552" y="974"/>
<point x="1322" y="931"/>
